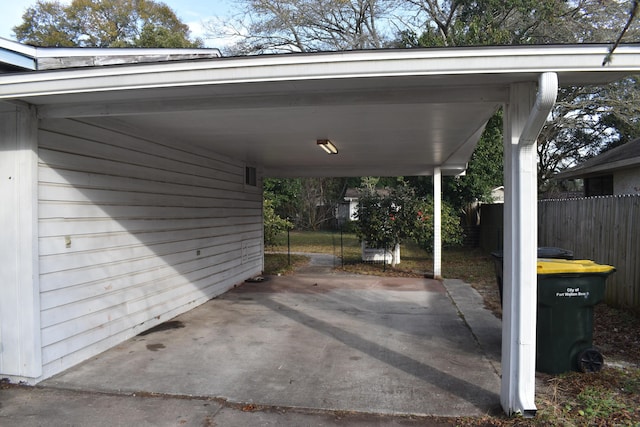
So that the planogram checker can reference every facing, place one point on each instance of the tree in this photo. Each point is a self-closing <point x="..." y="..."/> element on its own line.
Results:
<point x="632" y="16"/>
<point x="481" y="22"/>
<point x="264" y="26"/>
<point x="451" y="231"/>
<point x="108" y="23"/>
<point x="586" y="120"/>
<point x="284" y="196"/>
<point x="375" y="215"/>
<point x="273" y="224"/>
<point x="484" y="171"/>
<point x="589" y="120"/>
<point x="310" y="203"/>
<point x="319" y="198"/>
<point x="386" y="219"/>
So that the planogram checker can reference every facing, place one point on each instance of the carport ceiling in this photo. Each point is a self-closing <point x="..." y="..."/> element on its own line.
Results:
<point x="393" y="131"/>
<point x="398" y="112"/>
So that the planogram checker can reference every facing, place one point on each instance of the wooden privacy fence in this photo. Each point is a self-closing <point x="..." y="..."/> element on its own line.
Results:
<point x="603" y="229"/>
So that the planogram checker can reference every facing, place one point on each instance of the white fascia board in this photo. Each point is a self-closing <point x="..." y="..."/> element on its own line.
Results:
<point x="17" y="54"/>
<point x="357" y="171"/>
<point x="25" y="56"/>
<point x="69" y="58"/>
<point x="376" y="96"/>
<point x="18" y="47"/>
<point x="579" y="60"/>
<point x="17" y="60"/>
<point x="70" y="52"/>
<point x="55" y="52"/>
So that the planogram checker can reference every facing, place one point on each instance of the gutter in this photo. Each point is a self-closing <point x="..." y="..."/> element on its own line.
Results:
<point x="545" y="100"/>
<point x="522" y="314"/>
<point x="577" y="65"/>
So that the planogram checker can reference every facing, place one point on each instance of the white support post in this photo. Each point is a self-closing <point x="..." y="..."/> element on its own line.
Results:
<point x="437" y="223"/>
<point x="20" y="350"/>
<point x="523" y="121"/>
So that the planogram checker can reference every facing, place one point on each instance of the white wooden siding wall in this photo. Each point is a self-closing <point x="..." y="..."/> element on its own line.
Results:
<point x="132" y="233"/>
<point x="626" y="181"/>
<point x="20" y="348"/>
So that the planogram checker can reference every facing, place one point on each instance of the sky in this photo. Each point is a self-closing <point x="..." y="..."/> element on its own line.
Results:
<point x="191" y="12"/>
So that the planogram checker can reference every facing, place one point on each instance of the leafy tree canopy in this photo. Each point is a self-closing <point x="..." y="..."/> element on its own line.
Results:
<point x="274" y="225"/>
<point x="267" y="26"/>
<point x="586" y="120"/>
<point x="107" y="23"/>
<point x="400" y="215"/>
<point x="484" y="173"/>
<point x="309" y="203"/>
<point x="481" y="22"/>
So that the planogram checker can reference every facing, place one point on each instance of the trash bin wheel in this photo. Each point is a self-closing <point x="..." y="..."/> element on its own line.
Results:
<point x="590" y="360"/>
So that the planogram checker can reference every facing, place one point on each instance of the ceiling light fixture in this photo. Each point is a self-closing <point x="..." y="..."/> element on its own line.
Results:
<point x="327" y="146"/>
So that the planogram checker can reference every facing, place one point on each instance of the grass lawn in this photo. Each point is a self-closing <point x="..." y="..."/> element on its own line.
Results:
<point x="471" y="265"/>
<point x="610" y="397"/>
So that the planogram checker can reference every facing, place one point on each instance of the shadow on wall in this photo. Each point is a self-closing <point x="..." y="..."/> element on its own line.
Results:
<point x="133" y="232"/>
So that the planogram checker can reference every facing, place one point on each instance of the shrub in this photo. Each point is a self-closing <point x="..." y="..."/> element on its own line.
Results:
<point x="273" y="224"/>
<point x="387" y="220"/>
<point x="451" y="231"/>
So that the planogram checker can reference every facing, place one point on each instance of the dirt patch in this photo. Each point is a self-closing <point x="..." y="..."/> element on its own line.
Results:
<point x="155" y="347"/>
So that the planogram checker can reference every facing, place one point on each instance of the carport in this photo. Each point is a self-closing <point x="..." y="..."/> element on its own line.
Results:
<point x="388" y="112"/>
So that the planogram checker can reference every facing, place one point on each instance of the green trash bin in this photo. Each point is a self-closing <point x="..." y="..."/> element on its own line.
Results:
<point x="567" y="292"/>
<point x="543" y="252"/>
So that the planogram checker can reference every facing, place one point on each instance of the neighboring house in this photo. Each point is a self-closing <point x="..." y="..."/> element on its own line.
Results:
<point x="614" y="172"/>
<point x="347" y="210"/>
<point x="497" y="194"/>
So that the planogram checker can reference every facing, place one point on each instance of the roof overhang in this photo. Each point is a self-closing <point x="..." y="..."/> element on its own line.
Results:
<point x="626" y="156"/>
<point x="389" y="112"/>
<point x="597" y="170"/>
<point x="16" y="56"/>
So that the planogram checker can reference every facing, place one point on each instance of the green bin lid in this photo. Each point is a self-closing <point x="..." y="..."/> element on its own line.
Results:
<point x="563" y="266"/>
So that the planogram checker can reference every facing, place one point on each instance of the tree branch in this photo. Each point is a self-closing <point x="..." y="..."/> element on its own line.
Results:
<point x="632" y="15"/>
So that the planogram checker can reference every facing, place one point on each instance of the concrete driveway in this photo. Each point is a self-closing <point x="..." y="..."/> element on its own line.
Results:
<point x="318" y="340"/>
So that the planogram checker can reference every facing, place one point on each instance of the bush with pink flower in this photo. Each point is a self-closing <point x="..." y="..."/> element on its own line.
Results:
<point x="385" y="219"/>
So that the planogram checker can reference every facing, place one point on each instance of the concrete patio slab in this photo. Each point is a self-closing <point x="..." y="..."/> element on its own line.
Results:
<point x="37" y="407"/>
<point x="314" y="341"/>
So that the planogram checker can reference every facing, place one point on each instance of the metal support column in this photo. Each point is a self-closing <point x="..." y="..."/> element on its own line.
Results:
<point x="437" y="223"/>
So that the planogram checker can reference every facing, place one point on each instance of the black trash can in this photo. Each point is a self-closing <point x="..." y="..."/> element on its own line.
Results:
<point x="567" y="292"/>
<point x="543" y="252"/>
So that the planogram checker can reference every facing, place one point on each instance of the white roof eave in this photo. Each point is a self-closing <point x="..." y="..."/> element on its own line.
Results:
<point x="17" y="55"/>
<point x="574" y="65"/>
<point x="397" y="112"/>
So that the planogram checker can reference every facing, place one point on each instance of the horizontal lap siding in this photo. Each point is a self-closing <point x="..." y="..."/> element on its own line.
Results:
<point x="132" y="233"/>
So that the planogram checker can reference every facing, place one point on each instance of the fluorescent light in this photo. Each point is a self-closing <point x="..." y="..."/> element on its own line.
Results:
<point x="327" y="146"/>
